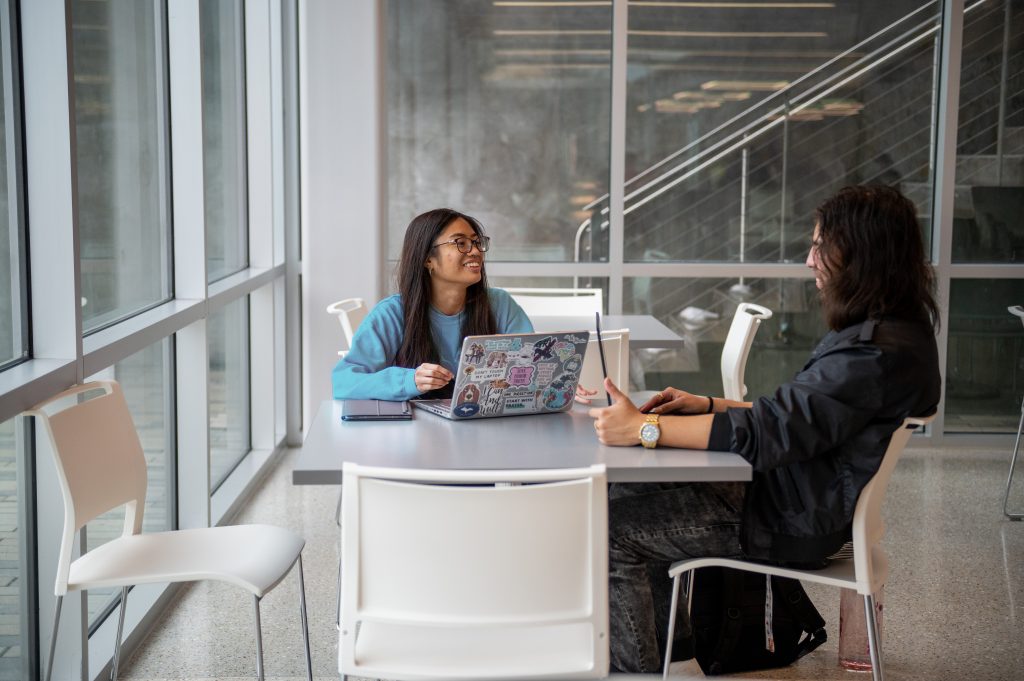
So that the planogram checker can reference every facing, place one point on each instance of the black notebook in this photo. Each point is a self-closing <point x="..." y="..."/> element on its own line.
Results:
<point x="375" y="410"/>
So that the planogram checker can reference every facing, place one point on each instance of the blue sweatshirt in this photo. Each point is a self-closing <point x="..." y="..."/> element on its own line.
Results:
<point x="368" y="371"/>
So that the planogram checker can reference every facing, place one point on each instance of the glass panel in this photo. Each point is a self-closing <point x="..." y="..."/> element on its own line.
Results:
<point x="13" y="315"/>
<point x="501" y="110"/>
<point x="985" y="363"/>
<point x="228" y="338"/>
<point x="145" y="378"/>
<point x="701" y="310"/>
<point x="120" y="128"/>
<point x="989" y="196"/>
<point x="224" y="160"/>
<point x="717" y="171"/>
<point x="16" y="602"/>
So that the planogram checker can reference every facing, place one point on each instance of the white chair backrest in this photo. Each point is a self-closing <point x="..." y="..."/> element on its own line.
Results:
<point x="616" y="356"/>
<point x="1017" y="311"/>
<point x="551" y="302"/>
<point x="455" y="551"/>
<point x="100" y="462"/>
<point x="868" y="528"/>
<point x="745" y="323"/>
<point x="350" y="313"/>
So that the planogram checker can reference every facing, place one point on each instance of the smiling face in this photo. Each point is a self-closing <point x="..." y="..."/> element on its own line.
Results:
<point x="814" y="258"/>
<point x="447" y="265"/>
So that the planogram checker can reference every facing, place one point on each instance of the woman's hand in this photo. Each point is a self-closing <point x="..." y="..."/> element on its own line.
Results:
<point x="675" y="401"/>
<point x="620" y="423"/>
<point x="431" y="377"/>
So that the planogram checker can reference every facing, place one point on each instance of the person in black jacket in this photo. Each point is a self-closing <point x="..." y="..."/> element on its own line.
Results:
<point x="813" y="445"/>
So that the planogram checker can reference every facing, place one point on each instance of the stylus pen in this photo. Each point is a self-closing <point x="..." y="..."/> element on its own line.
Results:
<point x="600" y="350"/>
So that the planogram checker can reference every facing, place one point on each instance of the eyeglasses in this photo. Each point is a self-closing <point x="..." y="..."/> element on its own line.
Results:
<point x="465" y="244"/>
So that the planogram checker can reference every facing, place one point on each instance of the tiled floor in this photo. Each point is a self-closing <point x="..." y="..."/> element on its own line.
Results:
<point x="954" y="607"/>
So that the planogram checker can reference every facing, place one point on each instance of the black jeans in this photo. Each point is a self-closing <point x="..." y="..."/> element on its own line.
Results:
<point x="651" y="525"/>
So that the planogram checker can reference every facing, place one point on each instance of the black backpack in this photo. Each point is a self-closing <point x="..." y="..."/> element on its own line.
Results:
<point x="730" y="621"/>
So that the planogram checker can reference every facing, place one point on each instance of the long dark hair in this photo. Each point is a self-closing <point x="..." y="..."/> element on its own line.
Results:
<point x="415" y="287"/>
<point x="873" y="256"/>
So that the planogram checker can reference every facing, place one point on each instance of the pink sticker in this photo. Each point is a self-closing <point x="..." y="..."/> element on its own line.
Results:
<point x="520" y="375"/>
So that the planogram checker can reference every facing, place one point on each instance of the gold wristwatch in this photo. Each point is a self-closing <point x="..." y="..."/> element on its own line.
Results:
<point x="650" y="432"/>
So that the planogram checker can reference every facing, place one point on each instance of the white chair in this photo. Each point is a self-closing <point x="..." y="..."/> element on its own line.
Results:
<point x="616" y="355"/>
<point x="745" y="323"/>
<point x="101" y="467"/>
<point x="474" y="574"/>
<point x="866" y="572"/>
<point x="1019" y="312"/>
<point x="350" y="313"/>
<point x="563" y="302"/>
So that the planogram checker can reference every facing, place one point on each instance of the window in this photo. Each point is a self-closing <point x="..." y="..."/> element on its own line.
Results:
<point x="701" y="311"/>
<point x="228" y="336"/>
<point x="984" y="362"/>
<point x="501" y="112"/>
<point x="715" y="168"/>
<point x="13" y="317"/>
<point x="16" y="536"/>
<point x="121" y="158"/>
<point x="224" y="159"/>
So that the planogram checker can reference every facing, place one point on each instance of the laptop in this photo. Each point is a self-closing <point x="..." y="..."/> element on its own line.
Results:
<point x="513" y="374"/>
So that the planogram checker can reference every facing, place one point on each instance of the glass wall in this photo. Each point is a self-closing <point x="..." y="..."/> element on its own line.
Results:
<point x="228" y="331"/>
<point x="500" y="110"/>
<point x="740" y="118"/>
<point x="224" y="165"/>
<point x="983" y="369"/>
<point x="89" y="210"/>
<point x="13" y="318"/>
<point x="701" y="311"/>
<point x="121" y="157"/>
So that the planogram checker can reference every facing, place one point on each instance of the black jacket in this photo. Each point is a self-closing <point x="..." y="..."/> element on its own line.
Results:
<point x="820" y="438"/>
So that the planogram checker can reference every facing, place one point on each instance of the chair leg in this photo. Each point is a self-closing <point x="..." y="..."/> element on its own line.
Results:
<point x="1013" y="463"/>
<point x="305" y="622"/>
<point x="120" y="628"/>
<point x="874" y="641"/>
<point x="337" y="521"/>
<point x="53" y="637"/>
<point x="337" y="611"/>
<point x="259" y="640"/>
<point x="671" y="626"/>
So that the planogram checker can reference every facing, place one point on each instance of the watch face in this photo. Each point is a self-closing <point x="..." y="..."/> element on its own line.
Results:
<point x="650" y="432"/>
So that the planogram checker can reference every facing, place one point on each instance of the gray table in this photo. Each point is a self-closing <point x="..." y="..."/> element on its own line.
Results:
<point x="645" y="331"/>
<point x="539" y="441"/>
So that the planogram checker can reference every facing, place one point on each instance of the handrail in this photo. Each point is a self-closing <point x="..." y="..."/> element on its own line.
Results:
<point x="784" y="92"/>
<point x="772" y="118"/>
<point x="777" y="93"/>
<point x="791" y="106"/>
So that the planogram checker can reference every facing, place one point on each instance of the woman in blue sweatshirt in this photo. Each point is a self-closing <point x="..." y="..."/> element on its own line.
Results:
<point x="408" y="346"/>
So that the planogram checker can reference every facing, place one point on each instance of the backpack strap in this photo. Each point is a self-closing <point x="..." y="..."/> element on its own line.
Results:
<point x="807" y="616"/>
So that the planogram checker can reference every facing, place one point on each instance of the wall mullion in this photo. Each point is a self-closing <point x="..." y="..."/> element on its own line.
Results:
<point x="191" y="348"/>
<point x="53" y="244"/>
<point x="944" y="163"/>
<point x="617" y="160"/>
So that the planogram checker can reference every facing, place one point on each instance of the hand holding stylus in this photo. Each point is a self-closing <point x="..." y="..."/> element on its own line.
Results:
<point x="620" y="423"/>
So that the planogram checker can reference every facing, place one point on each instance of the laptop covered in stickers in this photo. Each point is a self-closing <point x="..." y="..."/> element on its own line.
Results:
<point x="513" y="374"/>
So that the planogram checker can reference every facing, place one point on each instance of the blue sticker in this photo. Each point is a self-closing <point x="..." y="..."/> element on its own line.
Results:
<point x="467" y="409"/>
